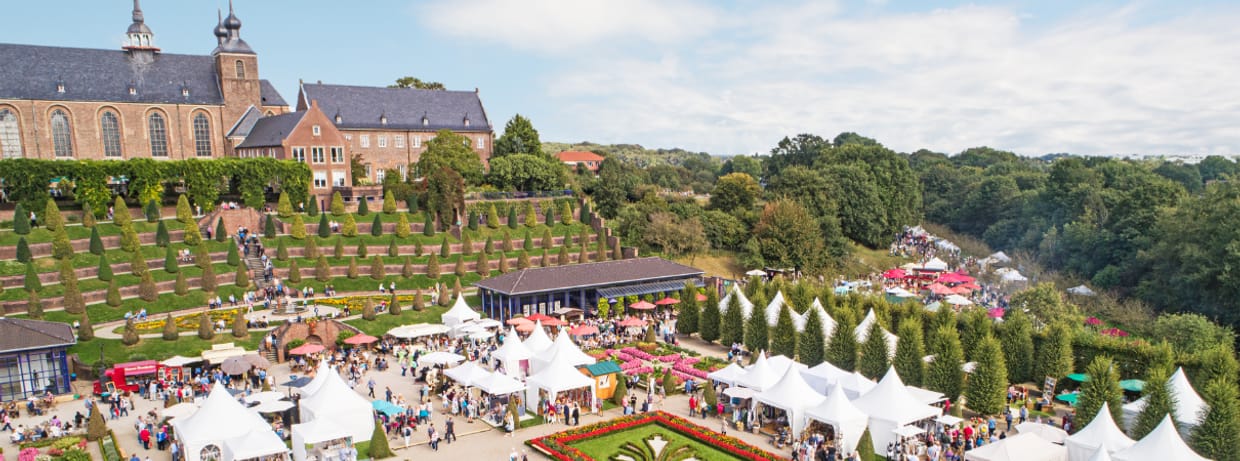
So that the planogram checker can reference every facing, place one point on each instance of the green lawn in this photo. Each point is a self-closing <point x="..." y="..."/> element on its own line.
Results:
<point x="166" y="302"/>
<point x="114" y="256"/>
<point x="385" y="321"/>
<point x="223" y="273"/>
<point x="156" y="348"/>
<point x="605" y="446"/>
<point x="77" y="231"/>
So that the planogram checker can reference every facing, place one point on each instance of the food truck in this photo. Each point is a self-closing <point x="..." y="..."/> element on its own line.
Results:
<point x="127" y="376"/>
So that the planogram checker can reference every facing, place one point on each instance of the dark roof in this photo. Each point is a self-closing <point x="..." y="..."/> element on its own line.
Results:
<point x="21" y="334"/>
<point x="268" y="93"/>
<point x="33" y="72"/>
<point x="363" y="106"/>
<point x="603" y="368"/>
<point x="271" y="131"/>
<point x="542" y="279"/>
<point x="246" y="123"/>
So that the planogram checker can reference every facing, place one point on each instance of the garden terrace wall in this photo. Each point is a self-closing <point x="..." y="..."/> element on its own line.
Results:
<point x="10" y="281"/>
<point x="93" y="297"/>
<point x="297" y="249"/>
<point x="39" y="250"/>
<point x="445" y="267"/>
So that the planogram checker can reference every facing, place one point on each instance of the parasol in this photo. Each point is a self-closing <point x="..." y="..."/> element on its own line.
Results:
<point x="306" y="349"/>
<point x="894" y="274"/>
<point x="518" y="321"/>
<point x="582" y="330"/>
<point x="666" y="301"/>
<point x="235" y="366"/>
<point x="641" y="305"/>
<point x="360" y="339"/>
<point x="632" y="322"/>
<point x="258" y="361"/>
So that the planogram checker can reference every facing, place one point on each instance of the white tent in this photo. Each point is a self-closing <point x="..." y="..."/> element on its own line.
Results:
<point x="537" y="341"/>
<point x="781" y="363"/>
<point x="935" y="264"/>
<point x="746" y="304"/>
<point x="856" y="385"/>
<point x="1099" y="433"/>
<point x="223" y="422"/>
<point x="320" y="376"/>
<point x="314" y="432"/>
<point x="773" y="307"/>
<point x="440" y="358"/>
<point x="1014" y="276"/>
<point x="1188" y="405"/>
<point x="759" y="376"/>
<point x="179" y="361"/>
<point x="957" y="300"/>
<point x="563" y="347"/>
<point x="180" y="410"/>
<point x="925" y="396"/>
<point x="1000" y="257"/>
<point x="862" y="332"/>
<point x="512" y="353"/>
<point x="459" y="313"/>
<point x="336" y="401"/>
<point x="946" y="244"/>
<point x="890" y="405"/>
<point x="798" y="320"/>
<point x="836" y="410"/>
<point x="828" y="323"/>
<point x="498" y="384"/>
<point x="418" y="330"/>
<point x="558" y="376"/>
<point x="755" y="273"/>
<point x="1081" y="290"/>
<point x="1019" y="447"/>
<point x="824" y="376"/>
<point x="729" y="375"/>
<point x="1047" y="432"/>
<point x="1099" y="455"/>
<point x="466" y="374"/>
<point x="1162" y="443"/>
<point x="792" y="395"/>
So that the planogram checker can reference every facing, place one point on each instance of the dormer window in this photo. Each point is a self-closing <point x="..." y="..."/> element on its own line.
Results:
<point x="60" y="87"/>
<point x="133" y="90"/>
<point x="425" y="121"/>
<point x="339" y="119"/>
<point x="184" y="92"/>
<point x="466" y="121"/>
<point x="383" y="119"/>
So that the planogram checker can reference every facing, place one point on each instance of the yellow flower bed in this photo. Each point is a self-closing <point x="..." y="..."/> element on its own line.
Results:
<point x="189" y="321"/>
<point x="354" y="303"/>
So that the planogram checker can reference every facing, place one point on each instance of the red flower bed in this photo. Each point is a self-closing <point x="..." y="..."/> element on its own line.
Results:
<point x="557" y="445"/>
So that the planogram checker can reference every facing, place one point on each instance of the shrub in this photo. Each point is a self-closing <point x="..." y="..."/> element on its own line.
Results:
<point x="566" y="213"/>
<point x="23" y="250"/>
<point x="283" y="207"/>
<point x="547" y="240"/>
<point x="472" y="221"/>
<point x="130" y="335"/>
<point x="492" y="217"/>
<point x="531" y="218"/>
<point x="114" y="294"/>
<point x="337" y="204"/>
<point x="34" y="306"/>
<point x="192" y="236"/>
<point x="152" y="211"/>
<point x="202" y="257"/>
<point x="503" y="263"/>
<point x="221" y="233"/>
<point x="96" y="427"/>
<point x="338" y="249"/>
<point x="233" y="257"/>
<point x="96" y="243"/>
<point x="269" y="228"/>
<point x="523" y="260"/>
<point x="171" y="265"/>
<point x="562" y="258"/>
<point x="322" y="272"/>
<point x="432" y="267"/>
<point x="361" y="250"/>
<point x="378" y="443"/>
<point x="161" y="234"/>
<point x="411" y="202"/>
<point x="311" y="248"/>
<point x="376" y="227"/>
<point x="86" y="331"/>
<point x="137" y="264"/>
<point x="52" y="219"/>
<point x="512" y="218"/>
<point x="170" y="332"/>
<point x="585" y="213"/>
<point x="184" y="214"/>
<point x="444" y="248"/>
<point x="428" y="226"/>
<point x="393" y="249"/>
<point x="349" y="227"/>
<point x="368" y="309"/>
<point x="208" y="282"/>
<point x="88" y="215"/>
<point x="389" y="202"/>
<point x="239" y="327"/>
<point x="313" y="210"/>
<point x="32" y="282"/>
<point x="180" y="287"/>
<point x="417" y="300"/>
<point x="120" y="213"/>
<point x="376" y="268"/>
<point x="205" y="330"/>
<point x="146" y="288"/>
<point x="363" y="206"/>
<point x="62" y="248"/>
<point x="986" y="391"/>
<point x="406" y="270"/>
<point x="242" y="279"/>
<point x="460" y="266"/>
<point x="324" y="229"/>
<point x="467" y="245"/>
<point x="294" y="272"/>
<point x="352" y="272"/>
<point x="506" y="245"/>
<point x="298" y="228"/>
<point x="21" y="221"/>
<point x="402" y="226"/>
<point x="544" y="260"/>
<point x="281" y="250"/>
<point x="417" y="247"/>
<point x="483" y="266"/>
<point x="394" y="306"/>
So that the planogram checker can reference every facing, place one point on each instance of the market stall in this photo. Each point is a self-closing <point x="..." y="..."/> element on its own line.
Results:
<point x="792" y="396"/>
<point x="513" y="355"/>
<point x="1019" y="447"/>
<point x="1101" y="432"/>
<point x="223" y="429"/>
<point x="556" y="380"/>
<point x="890" y="406"/>
<point x="320" y="439"/>
<point x="334" y="400"/>
<point x="847" y="422"/>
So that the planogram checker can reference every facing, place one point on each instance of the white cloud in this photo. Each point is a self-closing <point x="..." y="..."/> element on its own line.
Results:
<point x="556" y="26"/>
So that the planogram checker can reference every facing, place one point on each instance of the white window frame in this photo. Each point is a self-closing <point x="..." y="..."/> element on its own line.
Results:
<point x="365" y="141"/>
<point x="399" y="141"/>
<point x="338" y="178"/>
<point x="337" y="154"/>
<point x="403" y="175"/>
<point x="382" y="140"/>
<point x="318" y="155"/>
<point x="315" y="129"/>
<point x="299" y="154"/>
<point x="481" y="142"/>
<point x="320" y="179"/>
<point x="417" y="141"/>
<point x="379" y="173"/>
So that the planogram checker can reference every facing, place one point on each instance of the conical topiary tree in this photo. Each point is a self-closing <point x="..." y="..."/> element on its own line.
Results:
<point x="96" y="427"/>
<point x="104" y="271"/>
<point x="184" y="214"/>
<point x="812" y="341"/>
<point x="561" y="259"/>
<point x="234" y="259"/>
<point x="467" y="244"/>
<point x="784" y="339"/>
<point x="1159" y="402"/>
<point x="865" y="447"/>
<point x="152" y="211"/>
<point x="986" y="391"/>
<point x="221" y="232"/>
<point x="32" y="282"/>
<point x="348" y="227"/>
<point x="757" y="334"/>
<point x="281" y="250"/>
<point x="205" y="330"/>
<point x="207" y="281"/>
<point x="137" y="264"/>
<point x="269" y="227"/>
<point x="417" y="300"/>
<point x="88" y="215"/>
<point x="311" y="249"/>
<point x="378" y="443"/>
<point x="192" y="235"/>
<point x="376" y="227"/>
<point x="161" y="235"/>
<point x="873" y="357"/>
<point x="389" y="202"/>
<point x="732" y="327"/>
<point x="1055" y="354"/>
<point x="432" y="267"/>
<point x="202" y="256"/>
<point x="445" y="249"/>
<point x="530" y="218"/>
<point x="361" y="250"/>
<point x="52" y="219"/>
<point x="114" y="295"/>
<point x="34" y="306"/>
<point x="709" y="397"/>
<point x="283" y="206"/>
<point x="471" y="221"/>
<point x="456" y="291"/>
<point x="483" y="265"/>
<point x="428" y="225"/>
<point x="294" y="271"/>
<point x="146" y="288"/>
<point x="402" y="226"/>
<point x="909" y="351"/>
<point x="338" y="248"/>
<point x="1102" y="387"/>
<point x="363" y="206"/>
<point x="325" y="229"/>
<point x="944" y="373"/>
<point x="549" y="216"/>
<point x="687" y="310"/>
<point x="21" y="223"/>
<point x="180" y="287"/>
<point x="23" y="250"/>
<point x="393" y="249"/>
<point x="523" y="260"/>
<point x="352" y="271"/>
<point x="130" y="336"/>
<point x="171" y="265"/>
<point x="120" y="213"/>
<point x="62" y="248"/>
<point x="1218" y="435"/>
<point x="170" y="332"/>
<point x="239" y="327"/>
<point x="842" y="346"/>
<point x="503" y="264"/>
<point x="406" y="270"/>
<point x="368" y="309"/>
<point x="86" y="330"/>
<point x="417" y="247"/>
<point x="547" y="241"/>
<point x="492" y="217"/>
<point x="506" y="243"/>
<point x="242" y="279"/>
<point x="377" y="270"/>
<point x="73" y="302"/>
<point x="313" y="209"/>
<point x="337" y="204"/>
<point x="1016" y="336"/>
<point x="622" y="391"/>
<point x="96" y="242"/>
<point x="459" y="270"/>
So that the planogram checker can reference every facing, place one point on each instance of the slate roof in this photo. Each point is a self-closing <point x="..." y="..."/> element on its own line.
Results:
<point x="33" y="71"/>
<point x="21" y="334"/>
<point x="363" y="106"/>
<point x="268" y="93"/>
<point x="543" y="279"/>
<point x="246" y="123"/>
<point x="271" y="131"/>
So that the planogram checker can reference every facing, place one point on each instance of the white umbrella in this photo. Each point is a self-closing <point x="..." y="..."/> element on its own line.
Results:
<point x="273" y="406"/>
<point x="957" y="300"/>
<point x="907" y="431"/>
<point x="179" y="361"/>
<point x="180" y="410"/>
<point x="480" y="335"/>
<point x="439" y="358"/>
<point x="756" y="272"/>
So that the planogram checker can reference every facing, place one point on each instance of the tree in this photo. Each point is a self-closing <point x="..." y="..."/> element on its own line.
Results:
<point x="96" y="427"/>
<point x="349" y="227"/>
<point x="184" y="214"/>
<point x="732" y="328"/>
<point x="221" y="233"/>
<point x="269" y="228"/>
<point x="549" y="215"/>
<point x="368" y="310"/>
<point x="414" y="82"/>
<point x="428" y="225"/>
<point x="842" y="347"/>
<point x="120" y="213"/>
<point x="294" y="271"/>
<point x="452" y="151"/>
<point x="784" y="340"/>
<point x="62" y="248"/>
<point x="207" y="281"/>
<point x="192" y="236"/>
<point x="417" y="300"/>
<point x="283" y="207"/>
<point x="944" y="373"/>
<point x="86" y="330"/>
<point x="1219" y="432"/>
<point x="161" y="235"/>
<point x="503" y="264"/>
<point x="206" y="330"/>
<point x="351" y="272"/>
<point x="566" y="213"/>
<point x="337" y="204"/>
<point x="976" y="326"/>
<point x="561" y="258"/>
<point x="23" y="249"/>
<point x="709" y="322"/>
<point x="325" y="229"/>
<point x="377" y="269"/>
<point x="281" y="250"/>
<point x="234" y="258"/>
<point x="519" y="137"/>
<point x="1016" y="336"/>
<point x="512" y="218"/>
<point x="865" y="447"/>
<point x="547" y="240"/>
<point x="202" y="256"/>
<point x="180" y="287"/>
<point x="788" y="236"/>
<point x="467" y="244"/>
<point x="170" y="332"/>
<point x="1218" y="362"/>
<point x="322" y="271"/>
<point x="459" y="270"/>
<point x="311" y="249"/>
<point x="987" y="386"/>
<point x="506" y="245"/>
<point x="909" y="351"/>
<point x="402" y="226"/>
<point x="757" y="334"/>
<point x="811" y="342"/>
<point x="32" y="282"/>
<point x="52" y="219"/>
<point x="873" y="361"/>
<point x="526" y="172"/>
<point x="88" y="215"/>
<point x="96" y="243"/>
<point x="73" y="302"/>
<point x="114" y="295"/>
<point x="239" y="327"/>
<point x="170" y="260"/>
<point x="523" y="260"/>
<point x="735" y="191"/>
<point x="622" y="390"/>
<point x="21" y="225"/>
<point x="709" y="397"/>
<point x="544" y="260"/>
<point x="1043" y="302"/>
<point x="1055" y="355"/>
<point x="363" y="207"/>
<point x="152" y="211"/>
<point x="687" y="310"/>
<point x="1101" y="388"/>
<point x="34" y="306"/>
<point x="376" y="227"/>
<point x="1159" y="402"/>
<point x="393" y="249"/>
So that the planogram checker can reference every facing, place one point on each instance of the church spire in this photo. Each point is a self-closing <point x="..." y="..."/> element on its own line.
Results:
<point x="231" y="41"/>
<point x="139" y="35"/>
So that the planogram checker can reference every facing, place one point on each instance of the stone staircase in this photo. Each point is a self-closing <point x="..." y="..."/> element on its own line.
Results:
<point x="243" y="217"/>
<point x="255" y="265"/>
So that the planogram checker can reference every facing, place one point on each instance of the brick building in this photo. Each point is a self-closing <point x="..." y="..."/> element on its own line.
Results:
<point x="306" y="136"/>
<point x="572" y="158"/>
<point x="77" y="103"/>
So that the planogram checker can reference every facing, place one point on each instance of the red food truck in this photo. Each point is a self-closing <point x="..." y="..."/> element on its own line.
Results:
<point x="127" y="376"/>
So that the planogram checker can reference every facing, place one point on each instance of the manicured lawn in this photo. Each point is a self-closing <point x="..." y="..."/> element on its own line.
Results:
<point x="156" y="348"/>
<point x="223" y="273"/>
<point x="114" y="255"/>
<point x="77" y="231"/>
<point x="166" y="302"/>
<point x="385" y="321"/>
<point x="605" y="446"/>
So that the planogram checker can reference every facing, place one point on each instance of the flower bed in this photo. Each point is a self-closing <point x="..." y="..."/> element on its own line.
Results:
<point x="188" y="322"/>
<point x="633" y="362"/>
<point x="355" y="303"/>
<point x="559" y="445"/>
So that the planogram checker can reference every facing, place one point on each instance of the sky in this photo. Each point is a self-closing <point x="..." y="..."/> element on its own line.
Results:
<point x="733" y="77"/>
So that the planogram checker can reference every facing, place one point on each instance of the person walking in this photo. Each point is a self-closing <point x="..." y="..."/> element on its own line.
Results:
<point x="371" y="385"/>
<point x="434" y="439"/>
<point x="449" y="432"/>
<point x="407" y="433"/>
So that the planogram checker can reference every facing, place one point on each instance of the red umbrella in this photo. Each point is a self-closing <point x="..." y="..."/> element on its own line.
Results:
<point x="667" y="301"/>
<point x="701" y="297"/>
<point x="952" y="277"/>
<point x="518" y="321"/>
<point x="553" y="322"/>
<point x="961" y="290"/>
<point x="632" y="322"/>
<point x="971" y="286"/>
<point x="642" y="305"/>
<point x="582" y="330"/>
<point x="360" y="339"/>
<point x="525" y="327"/>
<point x="305" y="349"/>
<point x="939" y="289"/>
<point x="996" y="313"/>
<point x="894" y="274"/>
<point x="536" y="317"/>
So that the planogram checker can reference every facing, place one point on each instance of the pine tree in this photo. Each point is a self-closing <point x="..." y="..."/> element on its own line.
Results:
<point x="205" y="330"/>
<point x="104" y="270"/>
<point x="269" y="228"/>
<point x="170" y="332"/>
<point x="406" y="270"/>
<point x="1055" y="354"/>
<point x="281" y="250"/>
<point x="528" y="243"/>
<point x="492" y="217"/>
<point x="585" y="213"/>
<point x="428" y="226"/>
<point x="221" y="233"/>
<point x="23" y="250"/>
<point x="184" y="214"/>
<point x="146" y="288"/>
<point x="52" y="219"/>
<point x="239" y="327"/>
<point x="417" y="247"/>
<point x="865" y="447"/>
<point x="489" y="246"/>
<point x="1102" y="387"/>
<point x="137" y="264"/>
<point x="1016" y="336"/>
<point x="811" y="342"/>
<point x="234" y="258"/>
<point x="242" y="278"/>
<point x="432" y="267"/>
<point x="976" y="326"/>
<point x="393" y="249"/>
<point x="1159" y="402"/>
<point x="283" y="207"/>
<point x="445" y="249"/>
<point x="561" y="259"/>
<point x="192" y="236"/>
<point x="1218" y="435"/>
<point x="506" y="245"/>
<point x="377" y="270"/>
<point x="417" y="300"/>
<point x="523" y="260"/>
<point x="62" y="248"/>
<point x="202" y="256"/>
<point x="732" y="327"/>
<point x="709" y="397"/>
<point x="180" y="287"/>
<point x="986" y="392"/>
<point x="34" y="306"/>
<point x="687" y="310"/>
<point x="944" y="373"/>
<point x="322" y="271"/>
<point x="325" y="229"/>
<point x="784" y="337"/>
<point x="394" y="306"/>
<point x="757" y="334"/>
<point x="337" y="204"/>
<point x="338" y="248"/>
<point x="389" y="202"/>
<point x="161" y="235"/>
<point x="531" y="218"/>
<point x="32" y="282"/>
<point x="376" y="226"/>
<point x="152" y="211"/>
<point x="566" y="213"/>
<point x="351" y="273"/>
<point x="471" y="221"/>
<point x="361" y="250"/>
<point x="96" y="243"/>
<point x="601" y="252"/>
<point x="709" y="322"/>
<point x="503" y="264"/>
<point x="842" y="346"/>
<point x="96" y="427"/>
<point x="909" y="351"/>
<point x="547" y="240"/>
<point x="544" y="260"/>
<point x="460" y="266"/>
<point x="73" y="302"/>
<point x="873" y="361"/>
<point x="348" y="228"/>
<point x="207" y="281"/>
<point x="467" y="244"/>
<point x="21" y="225"/>
<point x="363" y="207"/>
<point x="549" y="216"/>
<point x="313" y="209"/>
<point x="311" y="249"/>
<point x="1218" y="362"/>
<point x="402" y="226"/>
<point x="513" y="223"/>
<point x="171" y="265"/>
<point x="294" y="271"/>
<point x="88" y="216"/>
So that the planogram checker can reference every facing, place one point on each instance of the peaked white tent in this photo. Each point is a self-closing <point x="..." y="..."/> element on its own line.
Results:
<point x="781" y="363"/>
<point x="856" y="385"/>
<point x="1162" y="443"/>
<point x="935" y="264"/>
<point x="320" y="377"/>
<point x="798" y="320"/>
<point x="824" y="376"/>
<point x="459" y="313"/>
<point x="890" y="405"/>
<point x="1014" y="276"/>
<point x="773" y="307"/>
<point x="746" y="304"/>
<point x="1019" y="447"/>
<point x="828" y="323"/>
<point x="792" y="395"/>
<point x="729" y="375"/>
<point x="513" y="354"/>
<point x="1188" y="405"/>
<point x="957" y="300"/>
<point x="1000" y="257"/>
<point x="1081" y="290"/>
<point x="1101" y="433"/>
<point x="222" y="421"/>
<point x="564" y="348"/>
<point x="466" y="374"/>
<point x="1100" y="454"/>
<point x="836" y="410"/>
<point x="498" y="384"/>
<point x="862" y="332"/>
<point x="537" y="341"/>
<point x="337" y="402"/>
<point x="314" y="432"/>
<point x="759" y="376"/>
<point x="558" y="376"/>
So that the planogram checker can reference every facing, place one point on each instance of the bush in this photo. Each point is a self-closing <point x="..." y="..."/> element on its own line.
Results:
<point x="483" y="266"/>
<point x="531" y="218"/>
<point x="23" y="250"/>
<point x="492" y="217"/>
<point x="324" y="229"/>
<point x="152" y="211"/>
<point x="547" y="239"/>
<point x="114" y="295"/>
<point x="281" y="250"/>
<point x="311" y="249"/>
<point x="239" y="327"/>
<point x="208" y="282"/>
<point x="269" y="228"/>
<point x="88" y="215"/>
<point x="549" y="215"/>
<point x="86" y="331"/>
<point x="361" y="250"/>
<point x="428" y="226"/>
<point x="34" y="306"/>
<point x="349" y="227"/>
<point x="394" y="306"/>
<point x="184" y="214"/>
<point x="368" y="309"/>
<point x="512" y="218"/>
<point x="192" y="236"/>
<point x="376" y="227"/>
<point x="402" y="226"/>
<point x="120" y="213"/>
<point x="472" y="221"/>
<point x="377" y="271"/>
<point x="337" y="204"/>
<point x="460" y="266"/>
<point x="378" y="443"/>
<point x="298" y="228"/>
<point x="52" y="219"/>
<point x="137" y="264"/>
<point x="233" y="257"/>
<point x="562" y="258"/>
<point x="566" y="213"/>
<point x="32" y="282"/>
<point x="62" y="248"/>
<point x="294" y="272"/>
<point x="417" y="300"/>
<point x="417" y="247"/>
<point x="21" y="221"/>
<point x="432" y="267"/>
<point x="313" y="209"/>
<point x="506" y="245"/>
<point x="393" y="249"/>
<point x="221" y="233"/>
<point x="523" y="260"/>
<point x="146" y="288"/>
<point x="170" y="332"/>
<point x="389" y="202"/>
<point x="352" y="272"/>
<point x="322" y="271"/>
<point x="180" y="287"/>
<point x="96" y="243"/>
<point x="202" y="257"/>
<point x="242" y="279"/>
<point x="503" y="264"/>
<point x="445" y="249"/>
<point x="205" y="330"/>
<point x="283" y="207"/>
<point x="130" y="336"/>
<point x="161" y="235"/>
<point x="338" y="249"/>
<point x="467" y="245"/>
<point x="363" y="206"/>
<point x="406" y="270"/>
<point x="96" y="427"/>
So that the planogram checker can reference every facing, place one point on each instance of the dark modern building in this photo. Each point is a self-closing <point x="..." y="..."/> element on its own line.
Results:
<point x="545" y="289"/>
<point x="32" y="358"/>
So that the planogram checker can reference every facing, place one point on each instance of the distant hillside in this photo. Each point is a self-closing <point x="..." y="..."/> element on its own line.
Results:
<point x="632" y="153"/>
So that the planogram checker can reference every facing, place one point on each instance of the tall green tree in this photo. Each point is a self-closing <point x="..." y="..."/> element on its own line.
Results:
<point x="325" y="229"/>
<point x="1159" y="402"/>
<point x="811" y="342"/>
<point x="151" y="211"/>
<point x="1055" y="354"/>
<point x="977" y="325"/>
<point x="944" y="373"/>
<point x="96" y="243"/>
<point x="23" y="250"/>
<point x="735" y="191"/>
<point x="709" y="322"/>
<point x="104" y="271"/>
<point x="873" y="361"/>
<point x="21" y="220"/>
<point x="1218" y="435"/>
<point x="732" y="327"/>
<point x="686" y="310"/>
<point x="842" y="347"/>
<point x="1102" y="387"/>
<point x="784" y="341"/>
<point x="452" y="151"/>
<point x="788" y="236"/>
<point x="519" y="137"/>
<point x="416" y="83"/>
<point x="986" y="392"/>
<point x="909" y="351"/>
<point x="757" y="333"/>
<point x="1016" y="336"/>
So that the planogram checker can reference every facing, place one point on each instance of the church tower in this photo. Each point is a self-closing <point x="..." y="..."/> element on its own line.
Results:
<point x="139" y="38"/>
<point x="237" y="67"/>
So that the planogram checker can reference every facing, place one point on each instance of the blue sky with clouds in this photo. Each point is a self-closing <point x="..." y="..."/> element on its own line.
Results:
<point x="732" y="77"/>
